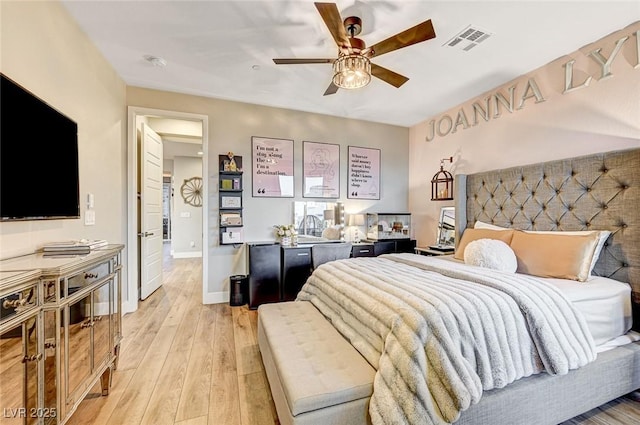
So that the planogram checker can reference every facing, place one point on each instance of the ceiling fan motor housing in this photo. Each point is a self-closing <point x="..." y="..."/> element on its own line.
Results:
<point x="353" y="25"/>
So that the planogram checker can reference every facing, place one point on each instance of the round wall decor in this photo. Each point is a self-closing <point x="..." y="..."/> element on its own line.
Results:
<point x="191" y="191"/>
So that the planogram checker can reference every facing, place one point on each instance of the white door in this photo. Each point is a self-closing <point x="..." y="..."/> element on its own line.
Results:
<point x="150" y="212"/>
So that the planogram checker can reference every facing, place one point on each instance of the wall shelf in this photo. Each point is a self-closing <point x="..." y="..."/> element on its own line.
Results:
<point x="230" y="188"/>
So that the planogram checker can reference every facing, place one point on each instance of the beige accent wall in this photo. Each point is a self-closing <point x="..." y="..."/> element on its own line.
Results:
<point x="45" y="51"/>
<point x="231" y="125"/>
<point x="602" y="117"/>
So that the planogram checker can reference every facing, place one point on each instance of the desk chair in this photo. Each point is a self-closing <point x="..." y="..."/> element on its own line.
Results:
<point x="324" y="252"/>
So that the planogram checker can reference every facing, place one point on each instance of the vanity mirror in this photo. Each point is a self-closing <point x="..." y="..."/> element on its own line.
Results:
<point x="446" y="229"/>
<point x="312" y="218"/>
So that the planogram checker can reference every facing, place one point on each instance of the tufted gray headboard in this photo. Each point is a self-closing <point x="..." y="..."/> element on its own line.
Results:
<point x="594" y="192"/>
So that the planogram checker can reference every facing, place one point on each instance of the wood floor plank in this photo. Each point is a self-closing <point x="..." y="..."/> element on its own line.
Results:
<point x="163" y="404"/>
<point x="224" y="403"/>
<point x="201" y="420"/>
<point x="96" y="409"/>
<point x="194" y="400"/>
<point x="246" y="344"/>
<point x="255" y="400"/>
<point x="136" y="396"/>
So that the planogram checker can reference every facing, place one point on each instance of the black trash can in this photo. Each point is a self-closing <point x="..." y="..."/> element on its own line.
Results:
<point x="238" y="290"/>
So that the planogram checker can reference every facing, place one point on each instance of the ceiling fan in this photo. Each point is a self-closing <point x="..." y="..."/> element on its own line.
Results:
<point x="353" y="68"/>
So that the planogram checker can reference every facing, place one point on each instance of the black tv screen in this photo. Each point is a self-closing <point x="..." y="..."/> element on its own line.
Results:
<point x="38" y="158"/>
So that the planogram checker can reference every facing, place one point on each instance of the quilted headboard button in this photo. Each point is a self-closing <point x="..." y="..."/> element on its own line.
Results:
<point x="624" y="226"/>
<point x="588" y="224"/>
<point x="570" y="208"/>
<point x="588" y="189"/>
<point x="604" y="170"/>
<point x="557" y="191"/>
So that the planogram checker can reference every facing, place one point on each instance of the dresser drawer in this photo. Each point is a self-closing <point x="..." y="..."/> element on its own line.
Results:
<point x="87" y="277"/>
<point x="18" y="301"/>
<point x="362" y="251"/>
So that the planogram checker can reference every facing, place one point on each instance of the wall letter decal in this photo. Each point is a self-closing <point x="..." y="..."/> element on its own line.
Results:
<point x="637" y="35"/>
<point x="604" y="62"/>
<point x="499" y="98"/>
<point x="431" y="131"/>
<point x="446" y="118"/>
<point x="568" y="78"/>
<point x="535" y="92"/>
<point x="461" y="119"/>
<point x="479" y="110"/>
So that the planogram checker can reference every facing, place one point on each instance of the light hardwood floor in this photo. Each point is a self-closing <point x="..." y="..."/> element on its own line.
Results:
<point x="186" y="363"/>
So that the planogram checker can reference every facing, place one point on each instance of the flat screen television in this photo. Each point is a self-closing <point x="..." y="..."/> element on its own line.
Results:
<point x="39" y="178"/>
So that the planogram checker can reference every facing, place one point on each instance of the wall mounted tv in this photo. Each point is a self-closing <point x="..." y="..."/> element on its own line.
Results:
<point x="38" y="158"/>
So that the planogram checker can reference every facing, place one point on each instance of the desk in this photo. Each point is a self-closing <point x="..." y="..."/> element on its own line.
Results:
<point x="425" y="250"/>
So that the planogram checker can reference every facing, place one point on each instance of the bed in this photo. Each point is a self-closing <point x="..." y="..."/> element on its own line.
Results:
<point x="486" y="362"/>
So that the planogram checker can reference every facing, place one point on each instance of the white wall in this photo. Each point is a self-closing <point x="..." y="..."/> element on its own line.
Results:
<point x="231" y="126"/>
<point x="186" y="228"/>
<point x="601" y="117"/>
<point x="46" y="52"/>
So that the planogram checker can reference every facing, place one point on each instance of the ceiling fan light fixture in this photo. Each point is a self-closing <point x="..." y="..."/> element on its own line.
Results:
<point x="351" y="71"/>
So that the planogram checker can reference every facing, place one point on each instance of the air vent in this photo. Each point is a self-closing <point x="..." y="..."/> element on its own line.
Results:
<point x="468" y="38"/>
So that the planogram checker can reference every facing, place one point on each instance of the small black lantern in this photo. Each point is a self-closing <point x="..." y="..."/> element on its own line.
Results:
<point x="442" y="183"/>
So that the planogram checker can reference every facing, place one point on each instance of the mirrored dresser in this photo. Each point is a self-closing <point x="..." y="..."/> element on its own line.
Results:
<point x="60" y="332"/>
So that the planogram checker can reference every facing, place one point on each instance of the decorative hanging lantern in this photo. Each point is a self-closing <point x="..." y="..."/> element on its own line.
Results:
<point x="442" y="183"/>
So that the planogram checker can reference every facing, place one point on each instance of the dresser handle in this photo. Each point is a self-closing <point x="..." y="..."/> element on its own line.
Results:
<point x="32" y="358"/>
<point x="86" y="324"/>
<point x="364" y="250"/>
<point x="14" y="303"/>
<point x="90" y="275"/>
<point x="303" y="254"/>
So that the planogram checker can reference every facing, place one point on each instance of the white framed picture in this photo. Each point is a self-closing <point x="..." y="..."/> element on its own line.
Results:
<point x="231" y="202"/>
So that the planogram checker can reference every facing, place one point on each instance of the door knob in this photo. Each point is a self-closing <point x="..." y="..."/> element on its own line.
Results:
<point x="145" y="234"/>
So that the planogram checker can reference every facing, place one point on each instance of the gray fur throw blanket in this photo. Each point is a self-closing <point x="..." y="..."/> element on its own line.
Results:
<point x="439" y="333"/>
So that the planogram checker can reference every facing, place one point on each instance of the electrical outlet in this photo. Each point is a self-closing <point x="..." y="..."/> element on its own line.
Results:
<point x="89" y="218"/>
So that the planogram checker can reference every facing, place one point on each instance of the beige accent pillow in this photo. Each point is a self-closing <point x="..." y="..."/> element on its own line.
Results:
<point x="603" y="235"/>
<point x="553" y="255"/>
<point x="475" y="234"/>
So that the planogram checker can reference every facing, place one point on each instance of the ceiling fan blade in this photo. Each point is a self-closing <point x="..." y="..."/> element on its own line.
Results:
<point x="332" y="89"/>
<point x="333" y="21"/>
<point x="417" y="34"/>
<point x="388" y="76"/>
<point x="301" y="61"/>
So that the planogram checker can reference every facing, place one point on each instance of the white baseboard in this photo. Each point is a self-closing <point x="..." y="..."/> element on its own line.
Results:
<point x="194" y="254"/>
<point x="129" y="306"/>
<point x="216" y="297"/>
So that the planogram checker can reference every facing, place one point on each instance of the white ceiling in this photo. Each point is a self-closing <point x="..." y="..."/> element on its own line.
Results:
<point x="212" y="47"/>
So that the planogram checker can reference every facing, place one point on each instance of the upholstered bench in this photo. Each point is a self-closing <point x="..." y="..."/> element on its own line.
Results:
<point x="315" y="375"/>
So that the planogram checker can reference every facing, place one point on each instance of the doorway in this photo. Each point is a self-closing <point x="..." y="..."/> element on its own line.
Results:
<point x="179" y="149"/>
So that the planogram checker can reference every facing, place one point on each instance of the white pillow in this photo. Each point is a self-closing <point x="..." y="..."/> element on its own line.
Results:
<point x="492" y="254"/>
<point x="482" y="225"/>
<point x="603" y="235"/>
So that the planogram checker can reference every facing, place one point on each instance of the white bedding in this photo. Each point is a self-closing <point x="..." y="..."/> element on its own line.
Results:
<point x="605" y="304"/>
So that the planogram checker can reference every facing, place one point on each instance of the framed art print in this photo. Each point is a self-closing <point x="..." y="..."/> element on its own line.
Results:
<point x="320" y="170"/>
<point x="272" y="167"/>
<point x="231" y="202"/>
<point x="364" y="173"/>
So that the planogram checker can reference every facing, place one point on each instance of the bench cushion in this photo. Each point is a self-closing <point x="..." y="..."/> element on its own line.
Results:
<point x="317" y="367"/>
